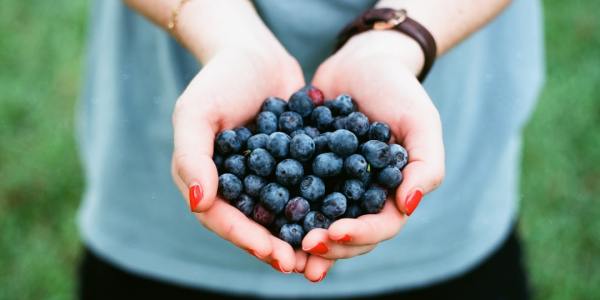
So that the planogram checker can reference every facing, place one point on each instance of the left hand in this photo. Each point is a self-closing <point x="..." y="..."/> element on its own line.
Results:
<point x="378" y="69"/>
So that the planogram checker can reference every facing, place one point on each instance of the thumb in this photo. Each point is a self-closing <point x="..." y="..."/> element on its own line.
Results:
<point x="193" y="169"/>
<point x="425" y="169"/>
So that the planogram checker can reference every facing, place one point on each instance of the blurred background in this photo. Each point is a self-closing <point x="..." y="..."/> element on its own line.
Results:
<point x="42" y="45"/>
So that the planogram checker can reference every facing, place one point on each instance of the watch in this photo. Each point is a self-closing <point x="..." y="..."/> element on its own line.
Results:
<point x="392" y="19"/>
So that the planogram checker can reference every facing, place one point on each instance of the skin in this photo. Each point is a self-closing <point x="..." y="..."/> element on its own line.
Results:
<point x="378" y="68"/>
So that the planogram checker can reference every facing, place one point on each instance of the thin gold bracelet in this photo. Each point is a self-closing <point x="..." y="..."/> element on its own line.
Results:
<point x="174" y="16"/>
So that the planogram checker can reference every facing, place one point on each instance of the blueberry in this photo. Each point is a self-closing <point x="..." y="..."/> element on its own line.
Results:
<point x="353" y="189"/>
<point x="315" y="219"/>
<point x="334" y="205"/>
<point x="297" y="132"/>
<point x="290" y="121"/>
<point x="279" y="144"/>
<point x="390" y="177"/>
<point x="355" y="165"/>
<point x="274" y="105"/>
<point x="261" y="162"/>
<point x="330" y="104"/>
<point x="274" y="197"/>
<point x="322" y="117"/>
<point x="343" y="105"/>
<point x="243" y="134"/>
<point x="339" y="123"/>
<point x="380" y="132"/>
<point x="301" y="103"/>
<point x="311" y="131"/>
<point x="245" y="204"/>
<point x="327" y="165"/>
<point x="321" y="142"/>
<point x="377" y="153"/>
<point x="373" y="200"/>
<point x="280" y="220"/>
<point x="353" y="211"/>
<point x="358" y="123"/>
<point x="399" y="156"/>
<point x="296" y="209"/>
<point x="257" y="141"/>
<point x="312" y="188"/>
<point x="266" y="122"/>
<point x="236" y="165"/>
<point x="230" y="187"/>
<point x="366" y="178"/>
<point x="343" y="142"/>
<point x="227" y="142"/>
<point x="253" y="184"/>
<point x="218" y="160"/>
<point x="292" y="234"/>
<point x="302" y="147"/>
<point x="262" y="215"/>
<point x="289" y="172"/>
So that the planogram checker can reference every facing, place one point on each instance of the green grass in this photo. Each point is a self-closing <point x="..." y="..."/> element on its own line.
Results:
<point x="41" y="52"/>
<point x="561" y="162"/>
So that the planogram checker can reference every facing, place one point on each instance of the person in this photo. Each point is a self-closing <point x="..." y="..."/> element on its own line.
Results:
<point x="165" y="76"/>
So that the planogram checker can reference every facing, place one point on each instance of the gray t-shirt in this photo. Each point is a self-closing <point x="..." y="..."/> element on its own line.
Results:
<point x="133" y="215"/>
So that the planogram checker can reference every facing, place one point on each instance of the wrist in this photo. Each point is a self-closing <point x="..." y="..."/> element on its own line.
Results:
<point x="387" y="43"/>
<point x="207" y="28"/>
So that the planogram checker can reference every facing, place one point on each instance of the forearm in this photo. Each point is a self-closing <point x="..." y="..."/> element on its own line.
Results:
<point x="206" y="27"/>
<point x="449" y="21"/>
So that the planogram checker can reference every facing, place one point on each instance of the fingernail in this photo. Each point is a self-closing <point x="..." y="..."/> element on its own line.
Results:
<point x="320" y="248"/>
<point x="412" y="201"/>
<point x="345" y="239"/>
<point x="276" y="266"/>
<point x="195" y="196"/>
<point x="321" y="278"/>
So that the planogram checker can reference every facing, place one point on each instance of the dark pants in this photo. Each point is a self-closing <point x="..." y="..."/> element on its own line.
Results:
<point x="501" y="276"/>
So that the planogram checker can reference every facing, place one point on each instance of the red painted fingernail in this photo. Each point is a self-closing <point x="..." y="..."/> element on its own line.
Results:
<point x="276" y="266"/>
<point x="412" y="201"/>
<point x="320" y="248"/>
<point x="345" y="239"/>
<point x="321" y="278"/>
<point x="195" y="196"/>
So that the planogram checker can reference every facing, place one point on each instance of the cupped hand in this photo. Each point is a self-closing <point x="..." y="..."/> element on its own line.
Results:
<point x="225" y="94"/>
<point x="378" y="69"/>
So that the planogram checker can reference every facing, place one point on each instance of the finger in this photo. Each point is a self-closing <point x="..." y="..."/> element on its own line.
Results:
<point x="323" y="79"/>
<point x="368" y="229"/>
<point x="192" y="158"/>
<point x="232" y="225"/>
<point x="301" y="258"/>
<point x="425" y="169"/>
<point x="317" y="267"/>
<point x="316" y="242"/>
<point x="333" y="249"/>
<point x="283" y="258"/>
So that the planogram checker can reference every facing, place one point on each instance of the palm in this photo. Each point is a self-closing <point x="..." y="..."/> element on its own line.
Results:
<point x="386" y="91"/>
<point x="227" y="93"/>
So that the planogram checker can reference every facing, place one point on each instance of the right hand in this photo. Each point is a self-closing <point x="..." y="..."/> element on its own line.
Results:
<point x="227" y="93"/>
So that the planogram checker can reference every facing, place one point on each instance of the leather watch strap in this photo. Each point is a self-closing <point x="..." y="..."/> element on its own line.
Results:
<point x="391" y="19"/>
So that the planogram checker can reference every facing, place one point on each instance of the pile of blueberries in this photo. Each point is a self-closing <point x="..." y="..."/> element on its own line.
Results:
<point x="306" y="163"/>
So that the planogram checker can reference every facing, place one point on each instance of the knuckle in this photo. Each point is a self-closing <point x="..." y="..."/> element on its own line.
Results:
<point x="188" y="107"/>
<point x="230" y="231"/>
<point x="179" y="165"/>
<point x="438" y="178"/>
<point x="179" y="108"/>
